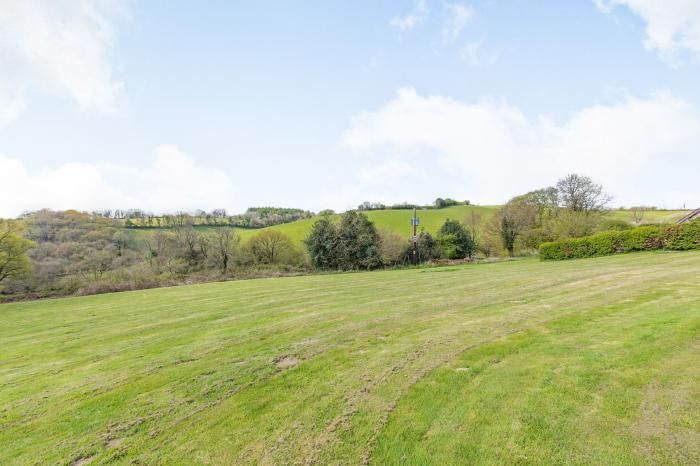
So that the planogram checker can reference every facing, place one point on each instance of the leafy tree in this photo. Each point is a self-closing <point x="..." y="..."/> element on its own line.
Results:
<point x="14" y="262"/>
<point x="322" y="244"/>
<point x="455" y="241"/>
<point x="371" y="206"/>
<point x="271" y="247"/>
<point x="392" y="247"/>
<point x="511" y="222"/>
<point x="440" y="203"/>
<point x="427" y="249"/>
<point x="358" y="242"/>
<point x="545" y="202"/>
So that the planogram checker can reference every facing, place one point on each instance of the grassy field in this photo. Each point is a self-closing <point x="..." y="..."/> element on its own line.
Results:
<point x="432" y="219"/>
<point x="580" y="362"/>
<point x="649" y="216"/>
<point x="398" y="220"/>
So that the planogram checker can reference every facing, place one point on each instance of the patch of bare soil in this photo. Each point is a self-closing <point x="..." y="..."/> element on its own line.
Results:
<point x="113" y="443"/>
<point x="285" y="362"/>
<point x="82" y="461"/>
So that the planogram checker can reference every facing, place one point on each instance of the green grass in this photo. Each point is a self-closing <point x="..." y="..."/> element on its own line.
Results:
<point x="649" y="216"/>
<point x="398" y="220"/>
<point x="432" y="219"/>
<point x="590" y="361"/>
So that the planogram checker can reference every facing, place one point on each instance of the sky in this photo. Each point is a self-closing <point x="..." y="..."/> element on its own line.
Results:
<point x="171" y="105"/>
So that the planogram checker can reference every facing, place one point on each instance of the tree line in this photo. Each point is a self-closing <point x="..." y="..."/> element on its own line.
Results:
<point x="254" y="217"/>
<point x="49" y="253"/>
<point x="439" y="203"/>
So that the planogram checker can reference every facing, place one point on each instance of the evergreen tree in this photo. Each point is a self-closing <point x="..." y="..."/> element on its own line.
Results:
<point x="322" y="244"/>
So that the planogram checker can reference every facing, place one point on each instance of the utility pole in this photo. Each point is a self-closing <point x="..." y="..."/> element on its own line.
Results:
<point x="414" y="222"/>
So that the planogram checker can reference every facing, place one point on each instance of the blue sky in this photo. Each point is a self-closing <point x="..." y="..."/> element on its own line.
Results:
<point x="168" y="105"/>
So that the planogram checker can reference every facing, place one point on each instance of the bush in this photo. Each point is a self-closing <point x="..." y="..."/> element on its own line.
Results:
<point x="683" y="237"/>
<point x="646" y="238"/>
<point x="455" y="241"/>
<point x="353" y="244"/>
<point x="427" y="248"/>
<point x="615" y="224"/>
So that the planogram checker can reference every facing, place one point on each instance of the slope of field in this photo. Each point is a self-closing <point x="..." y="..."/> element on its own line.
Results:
<point x="648" y="216"/>
<point x="398" y="220"/>
<point x="581" y="362"/>
<point x="432" y="219"/>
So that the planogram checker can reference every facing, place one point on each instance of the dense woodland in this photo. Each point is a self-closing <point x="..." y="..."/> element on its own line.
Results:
<point x="50" y="253"/>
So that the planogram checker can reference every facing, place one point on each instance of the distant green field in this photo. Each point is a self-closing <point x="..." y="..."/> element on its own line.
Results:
<point x="649" y="216"/>
<point x="590" y="361"/>
<point x="398" y="220"/>
<point x="431" y="219"/>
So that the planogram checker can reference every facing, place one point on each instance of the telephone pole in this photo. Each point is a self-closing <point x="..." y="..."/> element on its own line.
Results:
<point x="414" y="222"/>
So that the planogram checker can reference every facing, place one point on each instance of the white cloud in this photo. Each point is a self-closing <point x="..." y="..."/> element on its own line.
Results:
<point x="11" y="105"/>
<point x="459" y="15"/>
<point x="172" y="181"/>
<point x="641" y="149"/>
<point x="413" y="19"/>
<point x="473" y="54"/>
<point x="671" y="25"/>
<point x="60" y="47"/>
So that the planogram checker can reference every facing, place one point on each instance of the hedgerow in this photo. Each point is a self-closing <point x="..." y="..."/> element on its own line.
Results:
<point x="647" y="238"/>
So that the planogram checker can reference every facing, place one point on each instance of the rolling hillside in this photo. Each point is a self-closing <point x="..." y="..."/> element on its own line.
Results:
<point x="432" y="219"/>
<point x="591" y="361"/>
<point x="398" y="220"/>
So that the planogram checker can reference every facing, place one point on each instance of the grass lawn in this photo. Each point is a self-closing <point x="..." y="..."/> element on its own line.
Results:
<point x="590" y="361"/>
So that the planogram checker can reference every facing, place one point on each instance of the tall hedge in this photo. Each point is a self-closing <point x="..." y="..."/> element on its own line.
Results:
<point x="646" y="238"/>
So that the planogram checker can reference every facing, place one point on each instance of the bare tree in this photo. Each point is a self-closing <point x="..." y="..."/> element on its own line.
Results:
<point x="223" y="248"/>
<point x="637" y="214"/>
<point x="157" y="246"/>
<point x="580" y="194"/>
<point x="473" y="224"/>
<point x="192" y="246"/>
<point x="94" y="264"/>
